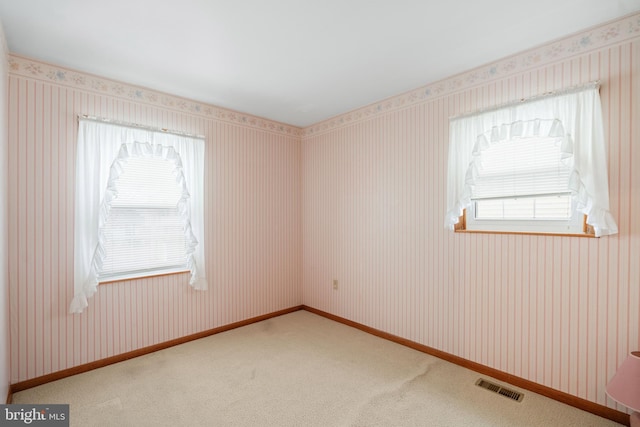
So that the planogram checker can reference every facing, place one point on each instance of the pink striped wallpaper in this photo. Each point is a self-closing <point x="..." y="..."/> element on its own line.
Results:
<point x="559" y="311"/>
<point x="359" y="198"/>
<point x="4" y="283"/>
<point x="253" y="228"/>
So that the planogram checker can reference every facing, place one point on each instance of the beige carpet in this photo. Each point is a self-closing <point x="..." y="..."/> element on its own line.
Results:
<point x="295" y="370"/>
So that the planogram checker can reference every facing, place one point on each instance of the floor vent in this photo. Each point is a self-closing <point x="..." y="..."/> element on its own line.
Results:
<point x="513" y="395"/>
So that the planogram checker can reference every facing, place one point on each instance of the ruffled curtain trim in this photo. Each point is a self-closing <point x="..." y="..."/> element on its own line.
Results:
<point x="139" y="149"/>
<point x="599" y="218"/>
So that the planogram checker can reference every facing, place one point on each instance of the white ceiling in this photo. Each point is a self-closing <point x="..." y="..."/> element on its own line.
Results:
<point x="293" y="61"/>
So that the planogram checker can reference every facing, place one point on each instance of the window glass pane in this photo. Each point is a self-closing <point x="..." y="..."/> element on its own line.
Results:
<point x="531" y="208"/>
<point x="558" y="207"/>
<point x="486" y="209"/>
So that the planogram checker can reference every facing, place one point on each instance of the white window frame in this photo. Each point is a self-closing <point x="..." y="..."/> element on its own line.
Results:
<point x="573" y="225"/>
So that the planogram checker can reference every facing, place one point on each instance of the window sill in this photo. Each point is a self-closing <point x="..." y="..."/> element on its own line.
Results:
<point x="461" y="227"/>
<point x="147" y="275"/>
<point x="527" y="233"/>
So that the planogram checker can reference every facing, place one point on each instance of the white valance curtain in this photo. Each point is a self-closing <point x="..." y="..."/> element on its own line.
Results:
<point x="573" y="117"/>
<point x="102" y="149"/>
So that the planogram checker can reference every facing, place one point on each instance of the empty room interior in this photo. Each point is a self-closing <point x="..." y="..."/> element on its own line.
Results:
<point x="321" y="213"/>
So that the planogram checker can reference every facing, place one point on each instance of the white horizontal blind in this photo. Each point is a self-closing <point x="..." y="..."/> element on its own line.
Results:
<point x="523" y="179"/>
<point x="521" y="167"/>
<point x="144" y="230"/>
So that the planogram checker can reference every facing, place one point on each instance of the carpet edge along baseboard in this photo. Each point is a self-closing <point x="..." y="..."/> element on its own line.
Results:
<point x="577" y="402"/>
<point x="571" y="400"/>
<point x="58" y="375"/>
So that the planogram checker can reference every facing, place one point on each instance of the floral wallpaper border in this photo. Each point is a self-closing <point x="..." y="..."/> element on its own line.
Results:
<point x="30" y="68"/>
<point x="614" y="32"/>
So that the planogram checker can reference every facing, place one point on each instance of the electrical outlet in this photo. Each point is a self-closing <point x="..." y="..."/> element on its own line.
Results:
<point x="335" y="285"/>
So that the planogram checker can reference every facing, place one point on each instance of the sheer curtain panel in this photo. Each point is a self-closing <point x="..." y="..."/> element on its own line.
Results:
<point x="103" y="149"/>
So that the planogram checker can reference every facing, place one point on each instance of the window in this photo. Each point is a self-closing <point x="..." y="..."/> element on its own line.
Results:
<point x="533" y="167"/>
<point x="139" y="206"/>
<point x="144" y="230"/>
